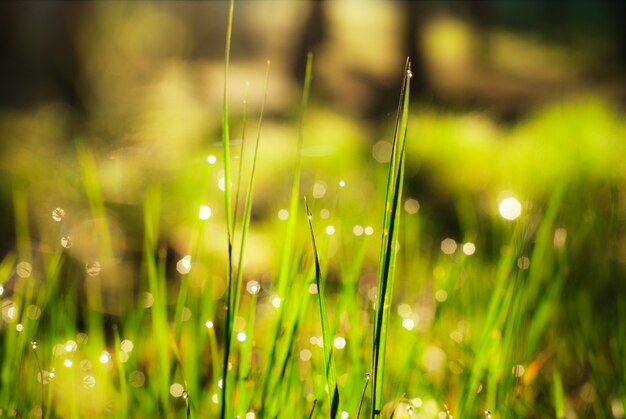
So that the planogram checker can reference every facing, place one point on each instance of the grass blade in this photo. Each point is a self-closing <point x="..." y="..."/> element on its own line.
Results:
<point x="288" y="254"/>
<point x="329" y="363"/>
<point x="388" y="246"/>
<point x="224" y="408"/>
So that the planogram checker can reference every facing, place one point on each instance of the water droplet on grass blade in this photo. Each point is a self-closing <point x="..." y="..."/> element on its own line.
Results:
<point x="58" y="214"/>
<point x="253" y="287"/>
<point x="487" y="414"/>
<point x="518" y="370"/>
<point x="24" y="269"/>
<point x="523" y="263"/>
<point x="89" y="381"/>
<point x="66" y="242"/>
<point x="92" y="268"/>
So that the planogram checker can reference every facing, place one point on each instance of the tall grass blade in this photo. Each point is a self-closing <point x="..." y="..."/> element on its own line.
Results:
<point x="559" y="404"/>
<point x="225" y="399"/>
<point x="329" y="363"/>
<point x="388" y="246"/>
<point x="248" y="209"/>
<point x="155" y="273"/>
<point x="288" y="254"/>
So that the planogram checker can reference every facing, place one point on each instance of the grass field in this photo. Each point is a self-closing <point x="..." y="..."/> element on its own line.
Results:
<point x="455" y="267"/>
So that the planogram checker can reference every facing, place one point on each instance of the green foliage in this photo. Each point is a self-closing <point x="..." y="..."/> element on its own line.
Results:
<point x="464" y="310"/>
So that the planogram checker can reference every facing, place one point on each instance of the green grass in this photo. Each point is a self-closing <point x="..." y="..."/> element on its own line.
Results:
<point x="522" y="318"/>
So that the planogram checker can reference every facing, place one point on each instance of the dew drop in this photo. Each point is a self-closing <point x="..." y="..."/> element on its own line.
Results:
<point x="44" y="377"/>
<point x="66" y="241"/>
<point x="368" y="376"/>
<point x="518" y="370"/>
<point x="71" y="346"/>
<point x="58" y="214"/>
<point x="487" y="414"/>
<point x="127" y="345"/>
<point x="24" y="269"/>
<point x="253" y="287"/>
<point x="510" y="208"/>
<point x="89" y="381"/>
<point x="409" y="73"/>
<point x="92" y="268"/>
<point x="183" y="266"/>
<point x="137" y="378"/>
<point x="185" y="394"/>
<point x="204" y="212"/>
<point x="409" y="410"/>
<point x="177" y="390"/>
<point x="105" y="357"/>
<point x="339" y="342"/>
<point x="283" y="214"/>
<point x="523" y="263"/>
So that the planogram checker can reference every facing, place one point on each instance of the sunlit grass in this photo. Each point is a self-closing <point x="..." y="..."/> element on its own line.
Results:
<point x="506" y="244"/>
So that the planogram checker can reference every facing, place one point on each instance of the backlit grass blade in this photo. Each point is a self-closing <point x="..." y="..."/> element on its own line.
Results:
<point x="389" y="240"/>
<point x="154" y="269"/>
<point x="248" y="208"/>
<point x="559" y="404"/>
<point x="288" y="254"/>
<point x="240" y="168"/>
<point x="329" y="363"/>
<point x="225" y="399"/>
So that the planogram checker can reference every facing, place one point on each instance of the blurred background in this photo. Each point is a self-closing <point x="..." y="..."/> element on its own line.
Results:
<point x="139" y="79"/>
<point x="508" y="98"/>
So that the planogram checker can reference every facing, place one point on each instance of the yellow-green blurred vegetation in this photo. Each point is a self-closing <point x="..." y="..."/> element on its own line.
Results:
<point x="113" y="113"/>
